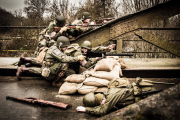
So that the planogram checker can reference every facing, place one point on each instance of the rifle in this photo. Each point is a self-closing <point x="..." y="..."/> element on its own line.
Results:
<point x="149" y="81"/>
<point x="102" y="20"/>
<point x="40" y="102"/>
<point x="56" y="29"/>
<point x="103" y="54"/>
<point x="144" y="94"/>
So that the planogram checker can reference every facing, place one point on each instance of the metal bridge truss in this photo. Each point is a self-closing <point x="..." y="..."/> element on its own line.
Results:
<point x="134" y="29"/>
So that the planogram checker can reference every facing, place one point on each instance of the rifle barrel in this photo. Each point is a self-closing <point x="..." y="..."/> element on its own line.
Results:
<point x="158" y="82"/>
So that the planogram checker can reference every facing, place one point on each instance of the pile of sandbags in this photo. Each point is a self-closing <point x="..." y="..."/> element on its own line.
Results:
<point x="104" y="71"/>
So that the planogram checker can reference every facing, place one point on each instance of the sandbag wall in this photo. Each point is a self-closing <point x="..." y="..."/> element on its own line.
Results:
<point x="104" y="71"/>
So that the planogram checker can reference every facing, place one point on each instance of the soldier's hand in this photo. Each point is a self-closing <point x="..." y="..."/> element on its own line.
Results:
<point x="111" y="46"/>
<point x="63" y="29"/>
<point x="81" y="109"/>
<point x="81" y="57"/>
<point x="78" y="27"/>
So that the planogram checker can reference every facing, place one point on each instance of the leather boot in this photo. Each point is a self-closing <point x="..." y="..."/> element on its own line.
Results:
<point x="24" y="60"/>
<point x="20" y="70"/>
<point x="59" y="80"/>
<point x="28" y="64"/>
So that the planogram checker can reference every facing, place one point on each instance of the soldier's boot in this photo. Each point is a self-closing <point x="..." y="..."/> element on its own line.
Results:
<point x="24" y="60"/>
<point x="28" y="64"/>
<point x="59" y="80"/>
<point x="21" y="70"/>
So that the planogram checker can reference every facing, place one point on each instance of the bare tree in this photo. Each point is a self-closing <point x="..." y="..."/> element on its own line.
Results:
<point x="35" y="10"/>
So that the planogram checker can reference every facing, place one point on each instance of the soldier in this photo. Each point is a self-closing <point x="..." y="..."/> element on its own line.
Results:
<point x="73" y="50"/>
<point x="86" y="45"/>
<point x="55" y="61"/>
<point x="36" y="61"/>
<point x="47" y="37"/>
<point x="115" y="97"/>
<point x="85" y="20"/>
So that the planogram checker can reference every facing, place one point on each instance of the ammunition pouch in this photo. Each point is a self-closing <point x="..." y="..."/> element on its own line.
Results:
<point x="48" y="63"/>
<point x="45" y="72"/>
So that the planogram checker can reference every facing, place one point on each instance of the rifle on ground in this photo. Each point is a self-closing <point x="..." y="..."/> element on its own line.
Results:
<point x="56" y="29"/>
<point x="92" y="54"/>
<point x="102" y="20"/>
<point x="144" y="94"/>
<point x="41" y="102"/>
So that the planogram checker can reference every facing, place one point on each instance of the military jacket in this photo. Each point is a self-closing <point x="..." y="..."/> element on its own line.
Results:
<point x="74" y="50"/>
<point x="55" y="55"/>
<point x="112" y="97"/>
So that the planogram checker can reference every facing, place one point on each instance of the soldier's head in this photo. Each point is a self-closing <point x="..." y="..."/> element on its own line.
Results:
<point x="60" y="21"/>
<point x="86" y="17"/>
<point x="91" y="100"/>
<point x="62" y="43"/>
<point x="86" y="45"/>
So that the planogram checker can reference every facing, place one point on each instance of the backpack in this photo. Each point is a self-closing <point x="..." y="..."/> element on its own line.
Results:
<point x="118" y="83"/>
<point x="42" y="54"/>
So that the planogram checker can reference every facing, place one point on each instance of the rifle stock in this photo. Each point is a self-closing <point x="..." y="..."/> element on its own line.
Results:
<point x="41" y="102"/>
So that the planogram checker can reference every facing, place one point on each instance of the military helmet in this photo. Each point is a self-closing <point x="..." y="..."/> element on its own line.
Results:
<point x="62" y="41"/>
<point x="89" y="100"/>
<point x="85" y="15"/>
<point x="60" y="21"/>
<point x="86" y="44"/>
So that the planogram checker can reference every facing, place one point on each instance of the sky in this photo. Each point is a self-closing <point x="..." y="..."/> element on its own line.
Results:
<point x="11" y="5"/>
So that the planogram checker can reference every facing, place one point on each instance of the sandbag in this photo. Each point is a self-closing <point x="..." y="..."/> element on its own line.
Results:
<point x="118" y="83"/>
<point x="87" y="89"/>
<point x="106" y="64"/>
<point x="122" y="63"/>
<point x="115" y="73"/>
<point x="113" y="57"/>
<point x="101" y="90"/>
<point x="93" y="81"/>
<point x="68" y="88"/>
<point x="75" y="78"/>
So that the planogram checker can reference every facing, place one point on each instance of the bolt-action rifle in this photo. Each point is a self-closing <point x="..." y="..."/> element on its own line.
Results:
<point x="102" y="20"/>
<point x="103" y="54"/>
<point x="144" y="94"/>
<point x="74" y="26"/>
<point x="41" y="102"/>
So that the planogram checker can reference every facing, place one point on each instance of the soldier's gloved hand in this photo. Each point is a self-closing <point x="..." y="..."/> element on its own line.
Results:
<point x="81" y="109"/>
<point x="111" y="46"/>
<point x="63" y="29"/>
<point x="81" y="57"/>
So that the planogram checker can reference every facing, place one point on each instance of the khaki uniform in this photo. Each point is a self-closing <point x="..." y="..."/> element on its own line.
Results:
<point x="73" y="50"/>
<point x="115" y="97"/>
<point x="54" y="60"/>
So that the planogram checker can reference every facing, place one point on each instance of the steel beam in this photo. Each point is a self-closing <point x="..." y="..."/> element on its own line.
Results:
<point x="160" y="42"/>
<point x="131" y="22"/>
